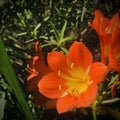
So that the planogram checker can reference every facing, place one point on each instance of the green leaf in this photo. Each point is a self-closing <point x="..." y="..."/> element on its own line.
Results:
<point x="66" y="39"/>
<point x="4" y="85"/>
<point x="2" y="105"/>
<point x="37" y="27"/>
<point x="113" y="79"/>
<point x="46" y="18"/>
<point x="63" y="30"/>
<point x="52" y="42"/>
<point x="64" y="50"/>
<point x="7" y="71"/>
<point x="21" y="34"/>
<point x="57" y="35"/>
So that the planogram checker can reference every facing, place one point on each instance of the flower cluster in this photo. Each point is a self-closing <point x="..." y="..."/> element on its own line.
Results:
<point x="109" y="36"/>
<point x="72" y="79"/>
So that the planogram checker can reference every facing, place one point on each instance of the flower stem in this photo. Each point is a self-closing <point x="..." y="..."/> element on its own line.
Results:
<point x="94" y="111"/>
<point x="94" y="115"/>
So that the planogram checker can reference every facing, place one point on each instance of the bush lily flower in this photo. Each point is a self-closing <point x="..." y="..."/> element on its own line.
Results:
<point x="36" y="69"/>
<point x="100" y="24"/>
<point x="109" y="36"/>
<point x="114" y="54"/>
<point x="74" y="78"/>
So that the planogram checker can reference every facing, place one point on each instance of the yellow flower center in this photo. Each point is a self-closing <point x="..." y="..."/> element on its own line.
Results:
<point x="77" y="80"/>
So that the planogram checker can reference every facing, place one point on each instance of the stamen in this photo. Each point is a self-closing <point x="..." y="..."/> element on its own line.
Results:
<point x="28" y="66"/>
<point x="107" y="30"/>
<point x="71" y="66"/>
<point x="30" y="70"/>
<point x="59" y="72"/>
<point x="90" y="82"/>
<point x="60" y="87"/>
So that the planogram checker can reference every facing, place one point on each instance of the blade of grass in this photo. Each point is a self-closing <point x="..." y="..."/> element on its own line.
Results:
<point x="57" y="35"/>
<point x="7" y="70"/>
<point x="63" y="30"/>
<point x="2" y="105"/>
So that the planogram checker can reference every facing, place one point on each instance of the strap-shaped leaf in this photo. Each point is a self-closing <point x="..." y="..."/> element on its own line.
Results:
<point x="7" y="70"/>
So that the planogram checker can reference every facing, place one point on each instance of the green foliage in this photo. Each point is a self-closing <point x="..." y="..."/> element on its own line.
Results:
<point x="9" y="74"/>
<point x="22" y="23"/>
<point x="2" y="104"/>
<point x="59" y="38"/>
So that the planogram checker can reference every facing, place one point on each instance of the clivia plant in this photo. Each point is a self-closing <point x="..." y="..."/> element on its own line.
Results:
<point x="73" y="79"/>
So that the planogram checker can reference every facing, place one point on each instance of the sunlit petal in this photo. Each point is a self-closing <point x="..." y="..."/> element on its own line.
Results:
<point x="51" y="85"/>
<point x="98" y="72"/>
<point x="100" y="23"/>
<point x="66" y="103"/>
<point x="114" y="64"/>
<point x="57" y="61"/>
<point x="90" y="94"/>
<point x="80" y="55"/>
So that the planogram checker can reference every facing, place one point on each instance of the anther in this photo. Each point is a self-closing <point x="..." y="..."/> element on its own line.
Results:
<point x="60" y="87"/>
<point x="71" y="66"/>
<point x="28" y="66"/>
<point x="59" y="72"/>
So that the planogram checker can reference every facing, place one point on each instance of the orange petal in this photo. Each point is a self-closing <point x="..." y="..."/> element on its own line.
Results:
<point x="97" y="20"/>
<point x="113" y="62"/>
<point x="80" y="55"/>
<point x="40" y="66"/>
<point x="66" y="103"/>
<point x="34" y="74"/>
<point x="51" y="85"/>
<point x="38" y="49"/>
<point x="32" y="87"/>
<point x="39" y="61"/>
<point x="90" y="94"/>
<point x="97" y="72"/>
<point x="115" y="22"/>
<point x="87" y="98"/>
<point x="105" y="45"/>
<point x="115" y="40"/>
<point x="100" y="22"/>
<point x="57" y="61"/>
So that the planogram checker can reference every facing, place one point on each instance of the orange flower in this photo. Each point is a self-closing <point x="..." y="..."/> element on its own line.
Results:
<point x="114" y="23"/>
<point x="36" y="69"/>
<point x="114" y="54"/>
<point x="74" y="78"/>
<point x="109" y="36"/>
<point x="100" y="24"/>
